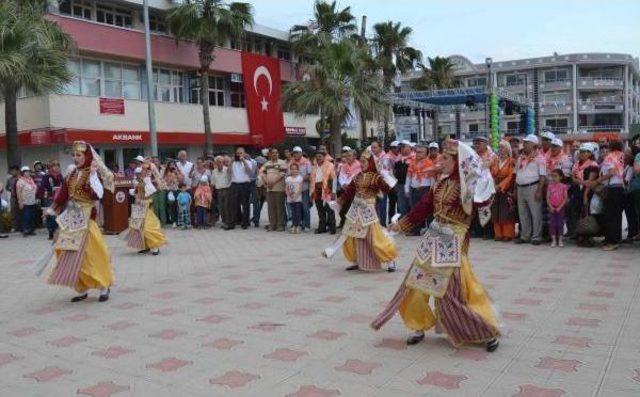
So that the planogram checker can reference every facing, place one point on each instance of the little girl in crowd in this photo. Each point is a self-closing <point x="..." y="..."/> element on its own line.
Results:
<point x="294" y="196"/>
<point x="557" y="197"/>
<point x="184" y="207"/>
<point x="203" y="198"/>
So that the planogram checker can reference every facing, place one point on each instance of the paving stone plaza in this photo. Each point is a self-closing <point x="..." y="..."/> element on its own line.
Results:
<point x="250" y="313"/>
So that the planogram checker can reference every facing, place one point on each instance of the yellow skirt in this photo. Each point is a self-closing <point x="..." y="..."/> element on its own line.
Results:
<point x="382" y="246"/>
<point x="473" y="299"/>
<point x="153" y="235"/>
<point x="95" y="270"/>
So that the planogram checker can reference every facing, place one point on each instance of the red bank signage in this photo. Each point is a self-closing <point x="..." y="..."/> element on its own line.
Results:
<point x="112" y="106"/>
<point x="261" y="78"/>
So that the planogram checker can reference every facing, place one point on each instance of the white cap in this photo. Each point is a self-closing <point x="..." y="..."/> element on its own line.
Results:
<point x="548" y="135"/>
<point x="346" y="149"/>
<point x="25" y="168"/>
<point x="531" y="138"/>
<point x="139" y="158"/>
<point x="405" y="142"/>
<point x="434" y="145"/>
<point x="265" y="152"/>
<point x="204" y="178"/>
<point x="394" y="144"/>
<point x="297" y="149"/>
<point x="557" y="142"/>
<point x="412" y="144"/>
<point x="138" y="170"/>
<point x="588" y="147"/>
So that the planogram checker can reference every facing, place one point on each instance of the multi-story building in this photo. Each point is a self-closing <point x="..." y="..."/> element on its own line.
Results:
<point x="572" y="93"/>
<point x="109" y="67"/>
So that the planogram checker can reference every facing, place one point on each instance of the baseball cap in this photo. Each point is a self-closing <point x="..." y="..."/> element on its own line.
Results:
<point x="394" y="144"/>
<point x="346" y="149"/>
<point x="587" y="147"/>
<point x="531" y="138"/>
<point x="481" y="138"/>
<point x="25" y="168"/>
<point x="139" y="158"/>
<point x="557" y="142"/>
<point x="434" y="145"/>
<point x="297" y="149"/>
<point x="404" y="142"/>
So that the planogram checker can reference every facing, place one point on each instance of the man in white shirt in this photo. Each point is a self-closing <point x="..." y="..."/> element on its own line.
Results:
<point x="184" y="167"/>
<point x="531" y="172"/>
<point x="240" y="172"/>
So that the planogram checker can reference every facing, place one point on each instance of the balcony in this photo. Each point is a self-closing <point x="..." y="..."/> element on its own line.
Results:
<point x="555" y="85"/>
<point x="599" y="83"/>
<point x="604" y="105"/>
<point x="552" y="108"/>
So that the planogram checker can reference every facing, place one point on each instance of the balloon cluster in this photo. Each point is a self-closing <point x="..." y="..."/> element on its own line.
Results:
<point x="494" y="121"/>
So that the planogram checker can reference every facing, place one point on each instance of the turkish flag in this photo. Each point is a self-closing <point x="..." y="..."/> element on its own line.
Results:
<point x="261" y="79"/>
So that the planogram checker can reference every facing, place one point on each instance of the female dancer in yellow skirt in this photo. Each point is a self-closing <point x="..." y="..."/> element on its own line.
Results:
<point x="364" y="242"/>
<point x="441" y="268"/>
<point x="145" y="232"/>
<point x="82" y="257"/>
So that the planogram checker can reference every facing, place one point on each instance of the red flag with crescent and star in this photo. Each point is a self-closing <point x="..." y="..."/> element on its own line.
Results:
<point x="261" y="79"/>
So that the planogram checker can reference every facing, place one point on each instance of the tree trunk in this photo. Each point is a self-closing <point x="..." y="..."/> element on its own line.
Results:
<point x="14" y="155"/>
<point x="363" y="126"/>
<point x="336" y="136"/>
<point x="206" y="114"/>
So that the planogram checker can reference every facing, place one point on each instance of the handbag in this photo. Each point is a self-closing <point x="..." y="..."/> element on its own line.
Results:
<point x="588" y="226"/>
<point x="171" y="197"/>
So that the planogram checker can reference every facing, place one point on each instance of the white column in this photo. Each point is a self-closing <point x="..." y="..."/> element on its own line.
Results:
<point x="574" y="73"/>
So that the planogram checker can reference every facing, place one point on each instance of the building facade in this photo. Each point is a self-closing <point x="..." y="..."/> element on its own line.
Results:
<point x="571" y="94"/>
<point x="105" y="104"/>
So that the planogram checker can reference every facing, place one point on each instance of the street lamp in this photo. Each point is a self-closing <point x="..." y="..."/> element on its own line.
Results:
<point x="153" y="136"/>
<point x="488" y="61"/>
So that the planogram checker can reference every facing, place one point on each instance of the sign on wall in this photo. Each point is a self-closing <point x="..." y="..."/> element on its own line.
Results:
<point x="112" y="106"/>
<point x="295" y="131"/>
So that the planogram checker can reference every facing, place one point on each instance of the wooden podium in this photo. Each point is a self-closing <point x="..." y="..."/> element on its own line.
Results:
<point x="116" y="206"/>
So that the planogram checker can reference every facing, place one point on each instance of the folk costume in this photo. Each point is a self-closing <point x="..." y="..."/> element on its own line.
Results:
<point x="364" y="242"/>
<point x="145" y="232"/>
<point x="504" y="203"/>
<point x="82" y="257"/>
<point x="441" y="268"/>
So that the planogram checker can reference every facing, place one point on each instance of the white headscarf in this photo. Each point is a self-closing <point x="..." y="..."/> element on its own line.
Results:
<point x="476" y="183"/>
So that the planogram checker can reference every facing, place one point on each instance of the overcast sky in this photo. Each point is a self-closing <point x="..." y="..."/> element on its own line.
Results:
<point x="503" y="30"/>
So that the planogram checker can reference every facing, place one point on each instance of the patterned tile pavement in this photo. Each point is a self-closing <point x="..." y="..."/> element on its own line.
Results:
<point x="250" y="313"/>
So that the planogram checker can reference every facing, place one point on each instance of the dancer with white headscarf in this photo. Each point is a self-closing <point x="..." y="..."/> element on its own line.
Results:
<point x="441" y="268"/>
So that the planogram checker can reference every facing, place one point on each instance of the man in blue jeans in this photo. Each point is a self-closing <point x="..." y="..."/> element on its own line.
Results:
<point x="400" y="169"/>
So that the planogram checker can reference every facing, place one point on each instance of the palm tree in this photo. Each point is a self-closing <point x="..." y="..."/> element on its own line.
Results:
<point x="209" y="23"/>
<point x="33" y="55"/>
<point x="393" y="54"/>
<point x="327" y="21"/>
<point x="392" y="51"/>
<point x="340" y="74"/>
<point x="439" y="75"/>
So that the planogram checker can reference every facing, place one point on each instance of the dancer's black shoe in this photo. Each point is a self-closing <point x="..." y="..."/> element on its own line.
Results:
<point x="79" y="297"/>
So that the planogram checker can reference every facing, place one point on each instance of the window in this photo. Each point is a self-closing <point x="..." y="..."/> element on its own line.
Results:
<point x="284" y="54"/>
<point x="237" y="95"/>
<point x="477" y="82"/>
<point x="515" y="79"/>
<point x="121" y="81"/>
<point x="168" y="86"/>
<point x="474" y="128"/>
<point x="76" y="8"/>
<point x="157" y="24"/>
<point x="556" y="75"/>
<point x="90" y="78"/>
<point x="513" y="126"/>
<point x="113" y="16"/>
<point x="556" y="123"/>
<point x="216" y="90"/>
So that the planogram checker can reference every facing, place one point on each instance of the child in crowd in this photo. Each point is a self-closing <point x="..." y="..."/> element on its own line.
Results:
<point x="294" y="196"/>
<point x="184" y="207"/>
<point x="203" y="197"/>
<point x="557" y="196"/>
<point x="591" y="207"/>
